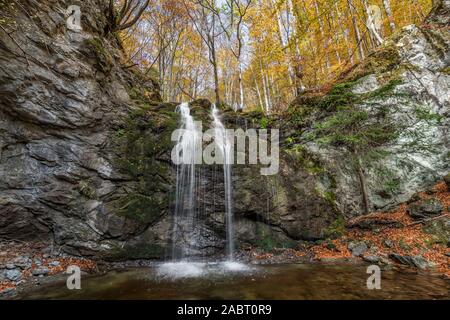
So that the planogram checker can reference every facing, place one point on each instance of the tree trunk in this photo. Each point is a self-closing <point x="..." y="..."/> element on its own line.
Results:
<point x="331" y="18"/>
<point x="368" y="24"/>
<point x="374" y="30"/>
<point x="387" y="8"/>
<point x="216" y="85"/>
<point x="216" y="73"/>
<point x="258" y="92"/>
<point x="356" y="30"/>
<point x="363" y="186"/>
<point x="284" y="44"/>
<point x="298" y="69"/>
<point x="345" y="33"/>
<point x="322" y="34"/>
<point x="266" y="93"/>
<point x="241" y="89"/>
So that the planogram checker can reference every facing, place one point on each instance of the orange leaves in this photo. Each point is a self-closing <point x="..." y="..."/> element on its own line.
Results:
<point x="339" y="252"/>
<point x="34" y="250"/>
<point x="409" y="240"/>
<point x="263" y="256"/>
<point x="5" y="286"/>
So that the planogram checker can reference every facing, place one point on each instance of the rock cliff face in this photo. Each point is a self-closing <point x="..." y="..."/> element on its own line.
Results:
<point x="85" y="142"/>
<point x="269" y="210"/>
<point x="64" y="96"/>
<point x="401" y="97"/>
<point x="85" y="148"/>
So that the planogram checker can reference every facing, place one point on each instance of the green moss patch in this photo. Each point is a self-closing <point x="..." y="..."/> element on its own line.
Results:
<point x="86" y="188"/>
<point x="385" y="59"/>
<point x="103" y="57"/>
<point x="336" y="229"/>
<point x="145" y="142"/>
<point x="439" y="231"/>
<point x="267" y="241"/>
<point x="305" y="160"/>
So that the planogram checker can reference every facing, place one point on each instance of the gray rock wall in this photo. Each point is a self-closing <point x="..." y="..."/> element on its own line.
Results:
<point x="420" y="106"/>
<point x="63" y="96"/>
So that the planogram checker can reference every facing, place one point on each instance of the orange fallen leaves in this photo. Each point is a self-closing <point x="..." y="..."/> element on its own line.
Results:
<point x="340" y="252"/>
<point x="264" y="256"/>
<point x="407" y="240"/>
<point x="12" y="250"/>
<point x="5" y="286"/>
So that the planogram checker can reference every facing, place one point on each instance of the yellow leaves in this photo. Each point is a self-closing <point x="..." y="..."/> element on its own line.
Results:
<point x="286" y="42"/>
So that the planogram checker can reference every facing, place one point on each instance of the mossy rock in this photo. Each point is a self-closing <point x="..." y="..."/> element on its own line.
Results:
<point x="144" y="98"/>
<point x="267" y="240"/>
<point x="86" y="188"/>
<point x="145" y="143"/>
<point x="436" y="40"/>
<point x="308" y="98"/>
<point x="144" y="209"/>
<point x="340" y="97"/>
<point x="147" y="90"/>
<point x="425" y="209"/>
<point x="384" y="59"/>
<point x="104" y="59"/>
<point x="336" y="229"/>
<point x="300" y="157"/>
<point x="201" y="110"/>
<point x="8" y="6"/>
<point x="439" y="230"/>
<point x="150" y="76"/>
<point x="254" y="114"/>
<point x="200" y="104"/>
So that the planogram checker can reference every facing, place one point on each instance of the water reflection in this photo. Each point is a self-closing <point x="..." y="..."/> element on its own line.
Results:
<point x="219" y="281"/>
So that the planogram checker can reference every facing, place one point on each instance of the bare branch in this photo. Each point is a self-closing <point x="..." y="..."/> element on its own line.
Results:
<point x="129" y="14"/>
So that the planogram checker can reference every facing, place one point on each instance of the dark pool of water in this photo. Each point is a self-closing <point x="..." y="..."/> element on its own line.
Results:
<point x="290" y="281"/>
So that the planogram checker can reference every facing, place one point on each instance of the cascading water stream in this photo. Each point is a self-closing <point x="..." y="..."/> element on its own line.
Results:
<point x="224" y="146"/>
<point x="185" y="201"/>
<point x="187" y="227"/>
<point x="186" y="233"/>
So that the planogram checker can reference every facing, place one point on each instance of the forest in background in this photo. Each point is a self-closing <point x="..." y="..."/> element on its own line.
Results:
<point x="85" y="143"/>
<point x="256" y="54"/>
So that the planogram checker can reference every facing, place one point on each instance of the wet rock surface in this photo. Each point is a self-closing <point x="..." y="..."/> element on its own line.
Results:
<point x="40" y="272"/>
<point x="415" y="261"/>
<point x="371" y="259"/>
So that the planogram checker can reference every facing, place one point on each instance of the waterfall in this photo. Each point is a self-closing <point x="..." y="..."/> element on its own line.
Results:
<point x="188" y="229"/>
<point x="185" y="193"/>
<point x="187" y="224"/>
<point x="224" y="145"/>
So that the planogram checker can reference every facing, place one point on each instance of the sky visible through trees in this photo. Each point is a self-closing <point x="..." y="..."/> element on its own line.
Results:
<point x="259" y="54"/>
